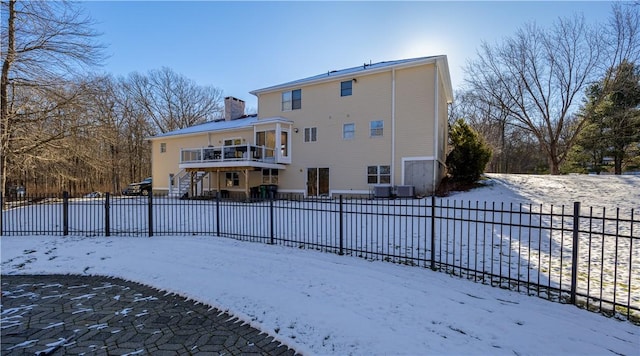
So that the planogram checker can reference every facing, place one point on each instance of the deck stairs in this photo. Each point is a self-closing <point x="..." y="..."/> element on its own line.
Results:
<point x="183" y="181"/>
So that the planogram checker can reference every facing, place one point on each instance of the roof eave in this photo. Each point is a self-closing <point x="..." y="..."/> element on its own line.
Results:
<point x="154" y="138"/>
<point x="328" y="78"/>
<point x="443" y="67"/>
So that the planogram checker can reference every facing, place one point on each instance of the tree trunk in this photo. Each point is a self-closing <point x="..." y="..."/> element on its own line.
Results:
<point x="617" y="163"/>
<point x="4" y="107"/>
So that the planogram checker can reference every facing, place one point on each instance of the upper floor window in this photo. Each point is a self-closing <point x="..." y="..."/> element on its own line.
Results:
<point x="292" y="100"/>
<point x="310" y="134"/>
<point x="345" y="88"/>
<point x="348" y="131"/>
<point x="163" y="147"/>
<point x="377" y="128"/>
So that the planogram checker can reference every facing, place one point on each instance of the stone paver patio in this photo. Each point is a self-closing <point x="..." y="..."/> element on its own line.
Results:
<point x="92" y="315"/>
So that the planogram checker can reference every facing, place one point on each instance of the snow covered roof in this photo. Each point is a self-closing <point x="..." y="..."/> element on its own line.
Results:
<point x="222" y="125"/>
<point x="363" y="69"/>
<point x="210" y="126"/>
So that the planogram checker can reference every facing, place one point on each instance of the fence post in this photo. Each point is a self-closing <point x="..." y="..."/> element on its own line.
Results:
<point x="150" y="214"/>
<point x="574" y="251"/>
<point x="1" y="213"/>
<point x="433" y="232"/>
<point x="341" y="222"/>
<point x="218" y="213"/>
<point x="271" y="221"/>
<point x="65" y="213"/>
<point x="107" y="217"/>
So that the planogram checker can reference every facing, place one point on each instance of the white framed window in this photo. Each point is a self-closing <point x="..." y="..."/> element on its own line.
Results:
<point x="163" y="147"/>
<point x="269" y="176"/>
<point x="377" y="128"/>
<point x="268" y="140"/>
<point x="284" y="144"/>
<point x="292" y="100"/>
<point x="378" y="174"/>
<point x="232" y="179"/>
<point x="348" y="131"/>
<point x="346" y="88"/>
<point x="310" y="134"/>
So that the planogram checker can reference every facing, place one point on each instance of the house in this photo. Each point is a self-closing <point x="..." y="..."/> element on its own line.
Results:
<point x="356" y="131"/>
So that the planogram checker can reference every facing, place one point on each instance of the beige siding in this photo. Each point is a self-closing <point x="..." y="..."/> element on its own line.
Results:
<point x="324" y="109"/>
<point x="415" y="111"/>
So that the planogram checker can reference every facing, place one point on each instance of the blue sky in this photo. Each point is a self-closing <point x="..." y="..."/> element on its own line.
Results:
<point x="243" y="46"/>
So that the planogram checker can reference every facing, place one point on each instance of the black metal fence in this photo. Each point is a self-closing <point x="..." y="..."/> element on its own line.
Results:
<point x="588" y="257"/>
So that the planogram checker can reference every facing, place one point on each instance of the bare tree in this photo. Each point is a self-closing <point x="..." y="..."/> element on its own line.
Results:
<point x="172" y="101"/>
<point x="44" y="43"/>
<point x="514" y="149"/>
<point x="538" y="77"/>
<point x="622" y="35"/>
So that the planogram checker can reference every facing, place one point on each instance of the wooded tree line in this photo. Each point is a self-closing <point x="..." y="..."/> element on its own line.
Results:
<point x="555" y="100"/>
<point x="559" y="99"/>
<point x="64" y="128"/>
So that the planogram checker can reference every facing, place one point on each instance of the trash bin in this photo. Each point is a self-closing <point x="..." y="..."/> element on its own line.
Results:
<point x="263" y="191"/>
<point x="272" y="190"/>
<point x="255" y="192"/>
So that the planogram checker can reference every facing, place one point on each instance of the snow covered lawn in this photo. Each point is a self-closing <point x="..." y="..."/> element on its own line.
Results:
<point x="327" y="304"/>
<point x="322" y="303"/>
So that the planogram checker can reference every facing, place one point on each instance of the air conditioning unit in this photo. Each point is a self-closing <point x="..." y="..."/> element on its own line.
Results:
<point x="404" y="191"/>
<point x="382" y="191"/>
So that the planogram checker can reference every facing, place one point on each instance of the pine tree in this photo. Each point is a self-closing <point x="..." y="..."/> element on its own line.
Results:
<point x="612" y="117"/>
<point x="470" y="154"/>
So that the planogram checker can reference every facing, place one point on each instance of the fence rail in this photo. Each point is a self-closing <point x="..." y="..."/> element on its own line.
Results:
<point x="584" y="256"/>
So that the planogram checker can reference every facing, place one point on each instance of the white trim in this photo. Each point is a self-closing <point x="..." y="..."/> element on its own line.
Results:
<point x="393" y="126"/>
<point x="231" y="164"/>
<point x="418" y="158"/>
<point x="443" y="68"/>
<point x="304" y="134"/>
<point x="436" y="118"/>
<point x="271" y="120"/>
<point x="278" y="143"/>
<point x="354" y="131"/>
<point x="371" y="128"/>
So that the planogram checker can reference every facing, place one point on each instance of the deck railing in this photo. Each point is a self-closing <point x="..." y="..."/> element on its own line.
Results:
<point x="246" y="152"/>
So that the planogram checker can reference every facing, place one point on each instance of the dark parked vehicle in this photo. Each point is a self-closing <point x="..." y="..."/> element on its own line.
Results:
<point x="139" y="188"/>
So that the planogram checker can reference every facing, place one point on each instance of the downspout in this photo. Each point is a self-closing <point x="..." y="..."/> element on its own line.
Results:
<point x="436" y="118"/>
<point x="393" y="126"/>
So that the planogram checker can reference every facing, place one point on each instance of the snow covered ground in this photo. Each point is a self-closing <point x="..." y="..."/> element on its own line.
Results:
<point x="597" y="191"/>
<point x="322" y="303"/>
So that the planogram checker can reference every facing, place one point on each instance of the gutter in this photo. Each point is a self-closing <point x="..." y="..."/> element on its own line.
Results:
<point x="393" y="126"/>
<point x="436" y="118"/>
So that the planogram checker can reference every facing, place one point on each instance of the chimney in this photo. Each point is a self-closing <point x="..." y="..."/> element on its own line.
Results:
<point x="233" y="108"/>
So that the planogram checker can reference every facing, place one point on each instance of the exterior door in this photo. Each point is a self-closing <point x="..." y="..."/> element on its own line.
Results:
<point x="317" y="182"/>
